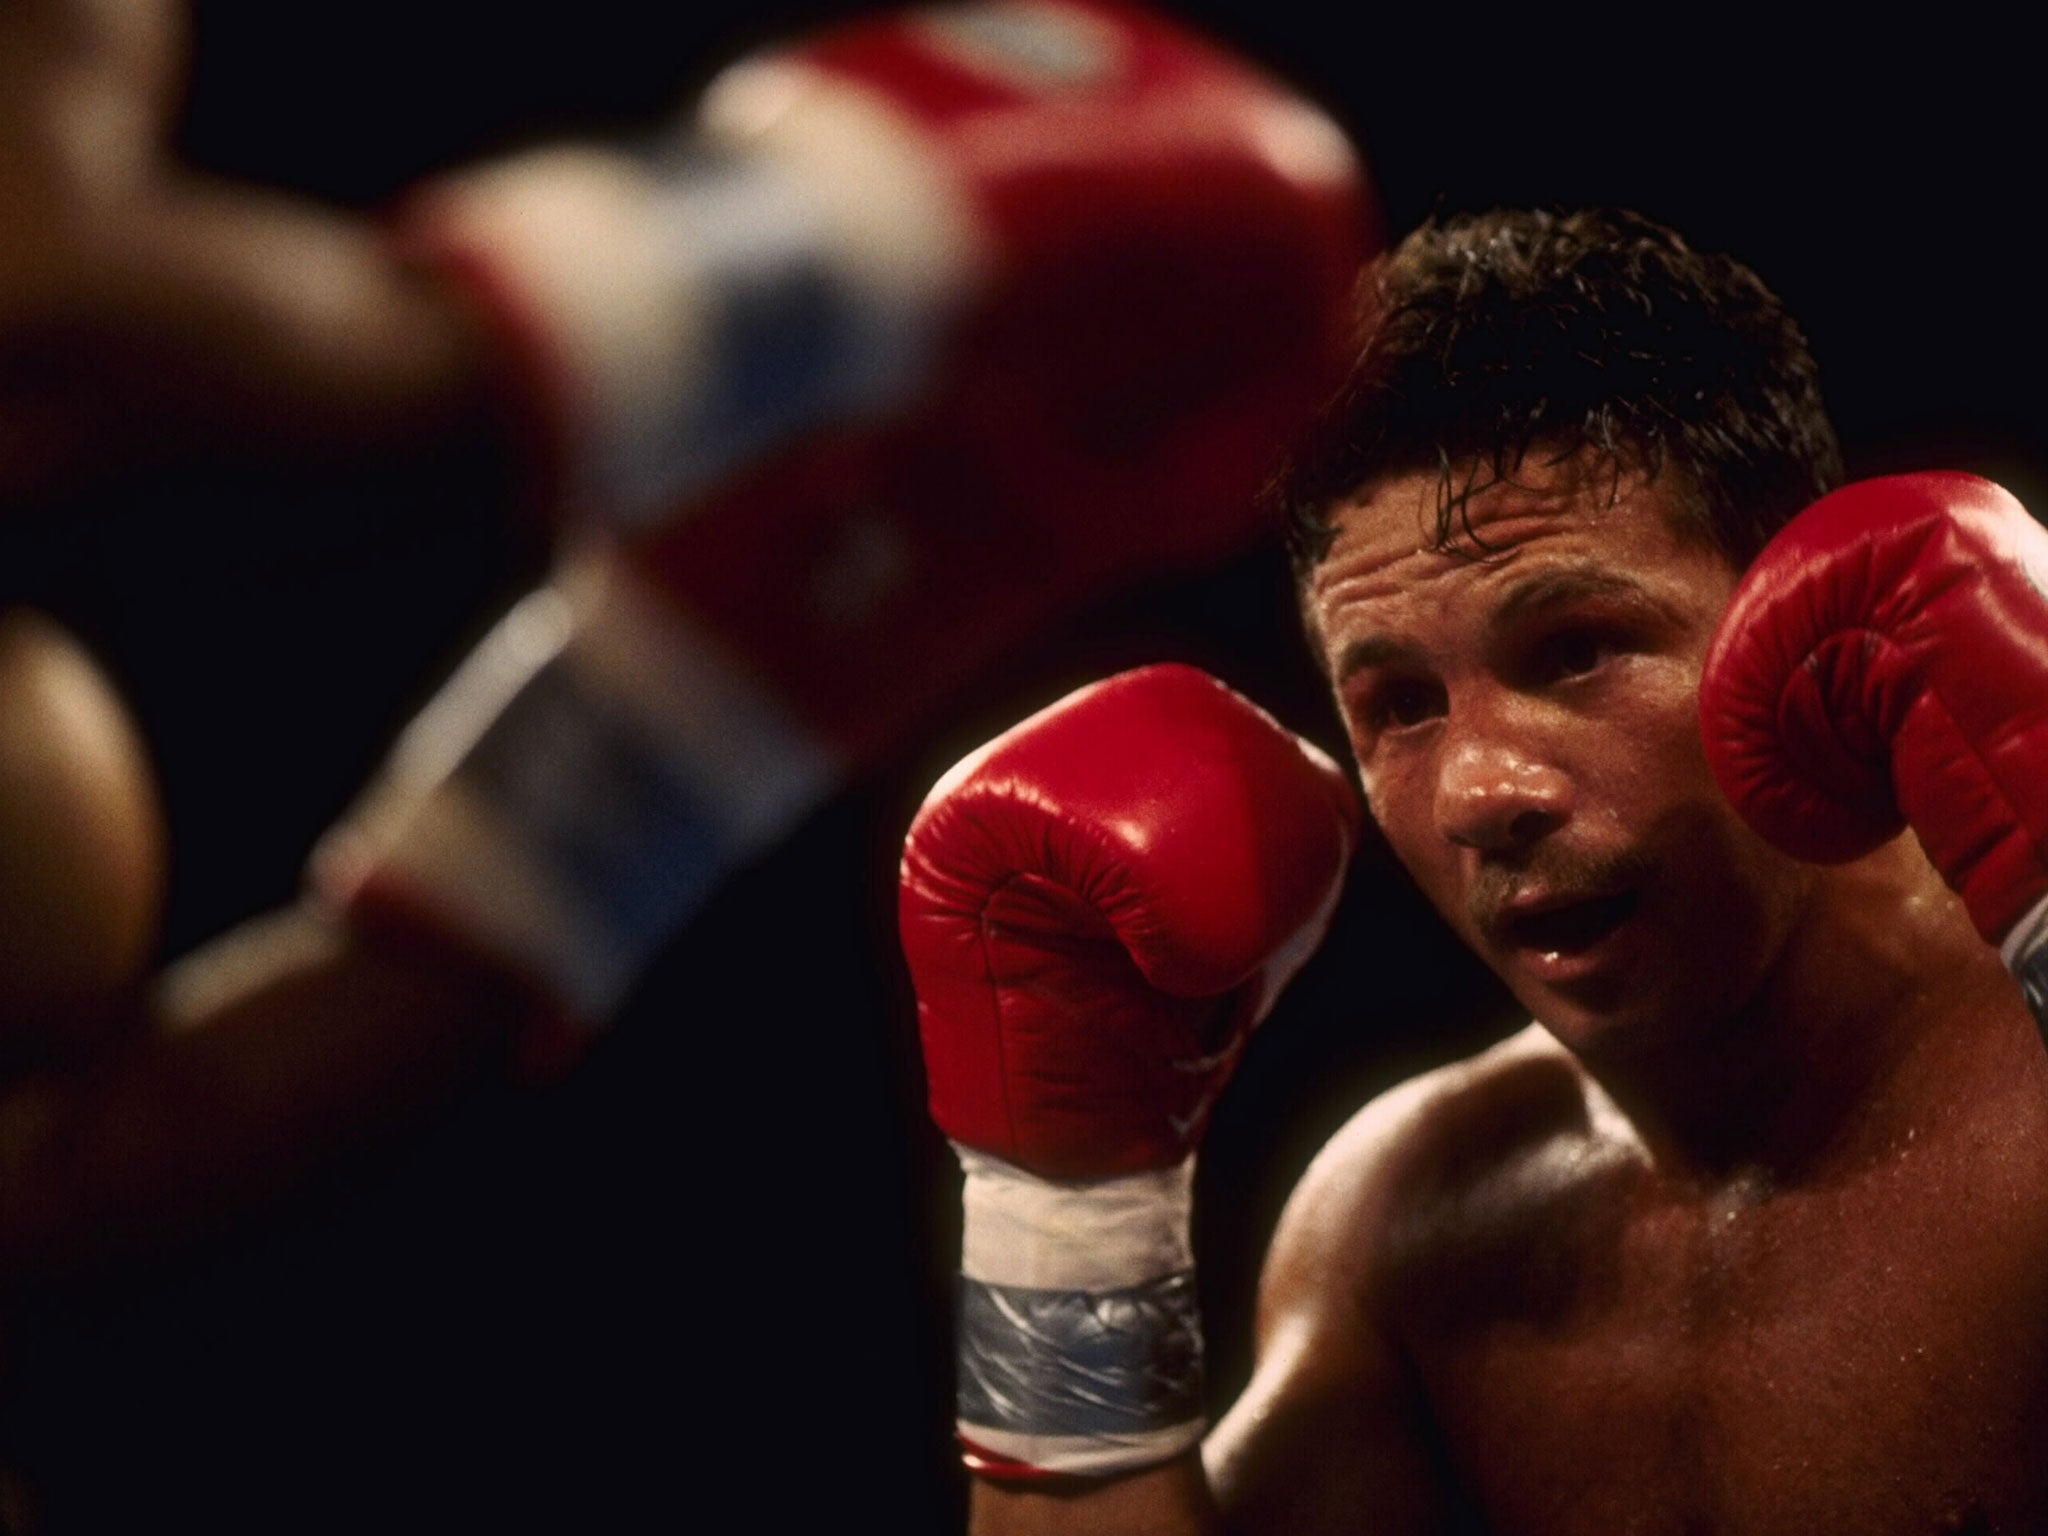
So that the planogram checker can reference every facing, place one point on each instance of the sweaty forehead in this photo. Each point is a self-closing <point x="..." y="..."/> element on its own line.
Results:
<point x="1469" y="509"/>
<point x="1553" y="532"/>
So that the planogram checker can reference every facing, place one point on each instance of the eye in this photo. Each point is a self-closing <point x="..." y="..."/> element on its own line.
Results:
<point x="1572" y="653"/>
<point x="1401" y="703"/>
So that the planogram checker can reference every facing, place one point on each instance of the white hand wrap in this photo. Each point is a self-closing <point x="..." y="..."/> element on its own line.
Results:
<point x="1080" y="1337"/>
<point x="578" y="789"/>
<point x="2025" y="953"/>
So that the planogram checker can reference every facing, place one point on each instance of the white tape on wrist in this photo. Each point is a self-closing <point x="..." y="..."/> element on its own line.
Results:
<point x="1080" y="1334"/>
<point x="579" y="788"/>
<point x="2025" y="953"/>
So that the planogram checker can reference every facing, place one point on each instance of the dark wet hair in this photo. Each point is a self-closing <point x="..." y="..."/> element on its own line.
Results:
<point x="1486" y="338"/>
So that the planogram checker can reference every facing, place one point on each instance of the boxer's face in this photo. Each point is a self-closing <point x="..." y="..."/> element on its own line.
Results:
<point x="1526" y="722"/>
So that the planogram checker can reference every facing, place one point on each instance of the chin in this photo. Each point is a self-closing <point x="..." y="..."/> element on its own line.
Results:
<point x="1616" y="1021"/>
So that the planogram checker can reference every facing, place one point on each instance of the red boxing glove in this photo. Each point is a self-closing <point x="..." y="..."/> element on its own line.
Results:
<point x="934" y="327"/>
<point x="1885" y="663"/>
<point x="1099" y="905"/>
<point x="1105" y="248"/>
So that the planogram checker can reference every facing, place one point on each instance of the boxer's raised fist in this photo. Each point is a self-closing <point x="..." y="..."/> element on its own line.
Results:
<point x="1885" y="663"/>
<point x="1099" y="905"/>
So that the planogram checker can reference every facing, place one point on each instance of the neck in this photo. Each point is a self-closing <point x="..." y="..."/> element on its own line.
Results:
<point x="1878" y="1015"/>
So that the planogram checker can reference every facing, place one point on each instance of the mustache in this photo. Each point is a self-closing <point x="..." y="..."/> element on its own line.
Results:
<point x="1557" y="870"/>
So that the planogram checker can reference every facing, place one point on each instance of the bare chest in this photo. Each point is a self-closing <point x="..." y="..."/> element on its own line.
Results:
<point x="1869" y="1356"/>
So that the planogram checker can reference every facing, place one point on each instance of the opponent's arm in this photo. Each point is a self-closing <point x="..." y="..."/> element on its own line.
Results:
<point x="1097" y="908"/>
<point x="147" y="309"/>
<point x="252" y="1064"/>
<point x="135" y="1110"/>
<point x="927" y="330"/>
<point x="657" y="715"/>
<point x="1074" y="229"/>
<point x="1025" y="297"/>
<point x="1029" y="292"/>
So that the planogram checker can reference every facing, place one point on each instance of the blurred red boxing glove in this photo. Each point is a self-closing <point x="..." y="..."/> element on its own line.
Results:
<point x="1023" y="297"/>
<point x="1098" y="248"/>
<point x="1097" y="908"/>
<point x="1884" y="664"/>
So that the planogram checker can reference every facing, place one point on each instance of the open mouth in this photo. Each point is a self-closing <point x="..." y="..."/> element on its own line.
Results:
<point x="1575" y="926"/>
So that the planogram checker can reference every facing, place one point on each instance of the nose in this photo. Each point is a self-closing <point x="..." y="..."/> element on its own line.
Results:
<point x="1496" y="796"/>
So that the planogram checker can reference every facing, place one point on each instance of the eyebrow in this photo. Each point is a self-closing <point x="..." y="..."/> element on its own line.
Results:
<point x="1530" y="598"/>
<point x="1561" y="588"/>
<point x="1372" y="651"/>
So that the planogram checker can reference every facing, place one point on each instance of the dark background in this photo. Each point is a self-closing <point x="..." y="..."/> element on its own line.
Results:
<point x="707" y="1278"/>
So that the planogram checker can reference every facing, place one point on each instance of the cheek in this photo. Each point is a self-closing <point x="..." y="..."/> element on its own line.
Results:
<point x="1400" y="797"/>
<point x="1651" y="748"/>
<point x="1730" y="909"/>
<point x="1389" y="799"/>
<point x="1739" y="892"/>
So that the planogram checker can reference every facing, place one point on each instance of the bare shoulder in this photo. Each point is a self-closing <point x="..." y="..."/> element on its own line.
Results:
<point x="1442" y="1165"/>
<point x="1496" y="1139"/>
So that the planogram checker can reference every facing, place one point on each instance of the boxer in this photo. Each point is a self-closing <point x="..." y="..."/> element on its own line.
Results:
<point x="1745" y="1231"/>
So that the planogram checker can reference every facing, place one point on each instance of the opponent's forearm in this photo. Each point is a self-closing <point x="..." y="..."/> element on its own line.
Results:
<point x="232" y="317"/>
<point x="1169" y="1500"/>
<point x="262" y="1057"/>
